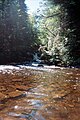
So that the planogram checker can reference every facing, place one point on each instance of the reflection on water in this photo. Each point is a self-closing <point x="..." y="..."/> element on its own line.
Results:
<point x="40" y="95"/>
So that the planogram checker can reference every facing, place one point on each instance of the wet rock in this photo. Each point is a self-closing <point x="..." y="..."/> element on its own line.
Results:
<point x="15" y="94"/>
<point x="22" y="87"/>
<point x="40" y="65"/>
<point x="2" y="96"/>
<point x="2" y="88"/>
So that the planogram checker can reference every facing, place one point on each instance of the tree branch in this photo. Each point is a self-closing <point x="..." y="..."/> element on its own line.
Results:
<point x="53" y="15"/>
<point x="50" y="31"/>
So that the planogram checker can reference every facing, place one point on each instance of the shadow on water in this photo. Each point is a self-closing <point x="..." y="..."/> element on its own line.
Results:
<point x="28" y="94"/>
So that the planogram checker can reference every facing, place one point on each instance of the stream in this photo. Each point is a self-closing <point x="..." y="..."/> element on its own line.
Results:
<point x="39" y="93"/>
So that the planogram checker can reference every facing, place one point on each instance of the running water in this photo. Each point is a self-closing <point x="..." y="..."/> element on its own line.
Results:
<point x="39" y="94"/>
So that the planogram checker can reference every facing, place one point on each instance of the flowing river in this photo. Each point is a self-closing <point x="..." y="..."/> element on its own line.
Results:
<point x="40" y="93"/>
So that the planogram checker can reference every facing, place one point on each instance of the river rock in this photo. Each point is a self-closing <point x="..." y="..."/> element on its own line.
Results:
<point x="16" y="93"/>
<point x="2" y="96"/>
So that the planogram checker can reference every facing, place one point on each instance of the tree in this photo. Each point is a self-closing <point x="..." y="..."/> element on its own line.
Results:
<point x="58" y="27"/>
<point x="16" y="33"/>
<point x="70" y="30"/>
<point x="49" y="29"/>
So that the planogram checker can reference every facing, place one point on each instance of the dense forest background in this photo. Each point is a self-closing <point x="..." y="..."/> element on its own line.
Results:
<point x="53" y="32"/>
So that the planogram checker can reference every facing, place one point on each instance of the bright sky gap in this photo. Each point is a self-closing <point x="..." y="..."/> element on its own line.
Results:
<point x="32" y="5"/>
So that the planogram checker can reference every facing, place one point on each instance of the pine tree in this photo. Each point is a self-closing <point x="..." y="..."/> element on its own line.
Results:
<point x="16" y="33"/>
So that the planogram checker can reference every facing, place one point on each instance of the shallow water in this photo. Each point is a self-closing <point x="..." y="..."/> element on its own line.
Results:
<point x="28" y="94"/>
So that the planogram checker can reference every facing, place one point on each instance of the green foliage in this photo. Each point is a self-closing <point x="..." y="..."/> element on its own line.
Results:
<point x="17" y="35"/>
<point x="55" y="26"/>
<point x="58" y="29"/>
<point x="49" y="29"/>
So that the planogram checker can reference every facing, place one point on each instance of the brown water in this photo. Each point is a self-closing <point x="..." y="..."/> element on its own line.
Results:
<point x="40" y="95"/>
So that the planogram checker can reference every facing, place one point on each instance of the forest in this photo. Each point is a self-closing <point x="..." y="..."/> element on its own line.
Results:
<point x="52" y="32"/>
<point x="40" y="60"/>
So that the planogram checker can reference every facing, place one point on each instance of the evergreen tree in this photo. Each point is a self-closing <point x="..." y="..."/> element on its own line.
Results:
<point x="59" y="30"/>
<point x="70" y="30"/>
<point x="49" y="30"/>
<point x="16" y="33"/>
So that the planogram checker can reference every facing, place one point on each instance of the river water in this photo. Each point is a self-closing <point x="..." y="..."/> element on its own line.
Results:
<point x="39" y="94"/>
